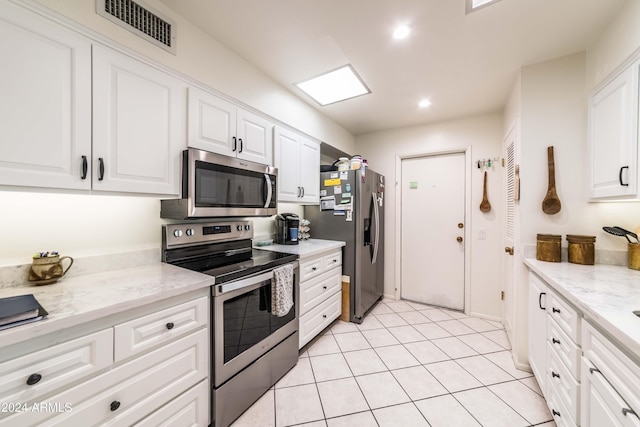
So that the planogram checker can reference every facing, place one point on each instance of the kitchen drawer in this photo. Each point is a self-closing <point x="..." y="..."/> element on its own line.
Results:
<point x="149" y="331"/>
<point x="332" y="261"/>
<point x="565" y="316"/>
<point x="310" y="269"/>
<point x="319" y="318"/>
<point x="566" y="386"/>
<point x="318" y="289"/>
<point x="615" y="366"/>
<point x="187" y="410"/>
<point x="57" y="366"/>
<point x="134" y="389"/>
<point x="561" y="415"/>
<point x="566" y="350"/>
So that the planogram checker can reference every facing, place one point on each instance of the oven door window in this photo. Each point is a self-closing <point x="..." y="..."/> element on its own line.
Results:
<point x="247" y="320"/>
<point x="224" y="186"/>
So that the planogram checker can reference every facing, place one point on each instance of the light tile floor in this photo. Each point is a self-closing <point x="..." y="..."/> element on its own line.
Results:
<point x="407" y="364"/>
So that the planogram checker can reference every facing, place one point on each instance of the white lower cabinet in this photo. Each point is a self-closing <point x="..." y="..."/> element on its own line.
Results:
<point x="164" y="382"/>
<point x="610" y="383"/>
<point x="320" y="294"/>
<point x="554" y="350"/>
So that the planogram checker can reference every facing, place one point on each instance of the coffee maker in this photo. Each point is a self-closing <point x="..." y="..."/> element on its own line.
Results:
<point x="287" y="229"/>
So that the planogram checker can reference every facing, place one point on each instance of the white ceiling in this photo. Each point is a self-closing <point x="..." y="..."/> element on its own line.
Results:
<point x="465" y="64"/>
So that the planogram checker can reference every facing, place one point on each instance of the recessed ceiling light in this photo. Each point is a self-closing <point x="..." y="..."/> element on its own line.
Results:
<point x="424" y="103"/>
<point x="473" y="5"/>
<point x="334" y="86"/>
<point x="401" y="32"/>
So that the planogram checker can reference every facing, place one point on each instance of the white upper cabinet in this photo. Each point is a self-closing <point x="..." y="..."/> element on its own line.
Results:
<point x="221" y="127"/>
<point x="298" y="161"/>
<point x="45" y="103"/>
<point x="138" y="125"/>
<point x="613" y="137"/>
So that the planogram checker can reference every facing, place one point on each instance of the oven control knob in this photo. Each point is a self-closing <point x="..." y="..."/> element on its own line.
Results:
<point x="239" y="228"/>
<point x="247" y="227"/>
<point x="190" y="232"/>
<point x="177" y="233"/>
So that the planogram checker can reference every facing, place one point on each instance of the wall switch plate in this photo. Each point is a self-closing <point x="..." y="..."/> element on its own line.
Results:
<point x="482" y="234"/>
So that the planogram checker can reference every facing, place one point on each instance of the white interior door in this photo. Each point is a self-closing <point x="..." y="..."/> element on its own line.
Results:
<point x="433" y="211"/>
<point x="509" y="234"/>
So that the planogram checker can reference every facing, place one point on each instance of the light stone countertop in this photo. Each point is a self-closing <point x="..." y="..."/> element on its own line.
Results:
<point x="305" y="248"/>
<point x="75" y="300"/>
<point x="607" y="295"/>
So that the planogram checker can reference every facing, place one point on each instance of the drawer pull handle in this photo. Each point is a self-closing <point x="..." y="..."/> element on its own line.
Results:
<point x="114" y="405"/>
<point x="34" y="379"/>
<point x="555" y="310"/>
<point x="170" y="325"/>
<point x="626" y="411"/>
<point x="592" y="370"/>
<point x="555" y="413"/>
<point x="314" y="268"/>
<point x="324" y="287"/>
<point x="554" y="375"/>
<point x="335" y="260"/>
<point x="324" y="315"/>
<point x="555" y="341"/>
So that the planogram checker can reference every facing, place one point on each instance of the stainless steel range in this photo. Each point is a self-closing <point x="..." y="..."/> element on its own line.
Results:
<point x="251" y="348"/>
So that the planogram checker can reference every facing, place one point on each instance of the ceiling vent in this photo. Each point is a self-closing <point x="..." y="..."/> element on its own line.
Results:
<point x="141" y="21"/>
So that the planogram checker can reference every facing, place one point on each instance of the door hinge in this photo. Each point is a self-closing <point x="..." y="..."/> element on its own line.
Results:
<point x="502" y="295"/>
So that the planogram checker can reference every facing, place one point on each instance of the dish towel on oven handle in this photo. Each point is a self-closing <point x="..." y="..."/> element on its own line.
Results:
<point x="282" y="290"/>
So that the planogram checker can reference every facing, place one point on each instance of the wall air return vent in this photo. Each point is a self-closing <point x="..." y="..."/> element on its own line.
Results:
<point x="142" y="21"/>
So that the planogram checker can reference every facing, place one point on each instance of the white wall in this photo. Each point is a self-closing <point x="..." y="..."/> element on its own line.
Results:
<point x="484" y="135"/>
<point x="81" y="224"/>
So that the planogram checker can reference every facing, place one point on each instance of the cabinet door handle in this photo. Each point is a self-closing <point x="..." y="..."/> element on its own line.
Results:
<point x="299" y="192"/>
<point x="556" y="310"/>
<point x="554" y="375"/>
<point x="555" y="341"/>
<point x="324" y="315"/>
<point x="620" y="176"/>
<point x="240" y="140"/>
<point x="235" y="143"/>
<point x="101" y="172"/>
<point x="324" y="287"/>
<point x="554" y="412"/>
<point x="626" y="411"/>
<point x="170" y="325"/>
<point x="540" y="300"/>
<point x="592" y="370"/>
<point x="314" y="268"/>
<point x="34" y="379"/>
<point x="302" y="192"/>
<point x="114" y="405"/>
<point x="85" y="168"/>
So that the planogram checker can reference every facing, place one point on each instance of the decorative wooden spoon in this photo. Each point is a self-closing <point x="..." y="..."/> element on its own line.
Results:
<point x="485" y="206"/>
<point x="551" y="203"/>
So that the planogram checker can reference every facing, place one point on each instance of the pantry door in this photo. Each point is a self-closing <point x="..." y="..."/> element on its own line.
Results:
<point x="433" y="230"/>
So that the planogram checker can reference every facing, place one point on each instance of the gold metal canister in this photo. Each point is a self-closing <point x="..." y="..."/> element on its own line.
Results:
<point x="581" y="249"/>
<point x="633" y="256"/>
<point x="548" y="247"/>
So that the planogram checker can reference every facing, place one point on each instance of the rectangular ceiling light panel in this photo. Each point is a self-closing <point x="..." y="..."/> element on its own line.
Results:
<point x="334" y="86"/>
<point x="473" y="5"/>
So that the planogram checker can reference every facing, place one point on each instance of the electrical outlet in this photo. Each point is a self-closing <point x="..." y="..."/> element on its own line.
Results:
<point x="482" y="234"/>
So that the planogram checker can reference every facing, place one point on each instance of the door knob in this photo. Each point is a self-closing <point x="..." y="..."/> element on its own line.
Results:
<point x="509" y="250"/>
<point x="459" y="239"/>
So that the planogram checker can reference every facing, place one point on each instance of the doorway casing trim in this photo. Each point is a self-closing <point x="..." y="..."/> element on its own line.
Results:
<point x="467" y="218"/>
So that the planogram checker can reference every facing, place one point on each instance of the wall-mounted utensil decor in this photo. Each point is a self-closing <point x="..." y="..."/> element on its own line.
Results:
<point x="551" y="204"/>
<point x="485" y="206"/>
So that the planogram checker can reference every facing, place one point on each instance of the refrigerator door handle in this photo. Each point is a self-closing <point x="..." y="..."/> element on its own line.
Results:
<point x="376" y="216"/>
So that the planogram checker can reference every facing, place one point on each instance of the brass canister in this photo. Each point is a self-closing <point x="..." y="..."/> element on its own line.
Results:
<point x="633" y="256"/>
<point x="581" y="249"/>
<point x="548" y="247"/>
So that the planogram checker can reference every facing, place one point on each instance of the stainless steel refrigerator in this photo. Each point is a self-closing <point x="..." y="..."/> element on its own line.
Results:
<point x="352" y="210"/>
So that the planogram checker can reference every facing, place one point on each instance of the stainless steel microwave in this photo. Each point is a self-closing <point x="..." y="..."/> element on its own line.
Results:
<point x="214" y="185"/>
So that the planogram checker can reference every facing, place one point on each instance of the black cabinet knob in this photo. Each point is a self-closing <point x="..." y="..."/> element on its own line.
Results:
<point x="555" y="341"/>
<point x="556" y="310"/>
<point x="324" y="315"/>
<point x="554" y="375"/>
<point x="170" y="325"/>
<point x="555" y="413"/>
<point x="114" y="405"/>
<point x="34" y="379"/>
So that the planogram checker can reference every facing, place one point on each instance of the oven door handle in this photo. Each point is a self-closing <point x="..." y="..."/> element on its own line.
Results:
<point x="267" y="179"/>
<point x="243" y="283"/>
